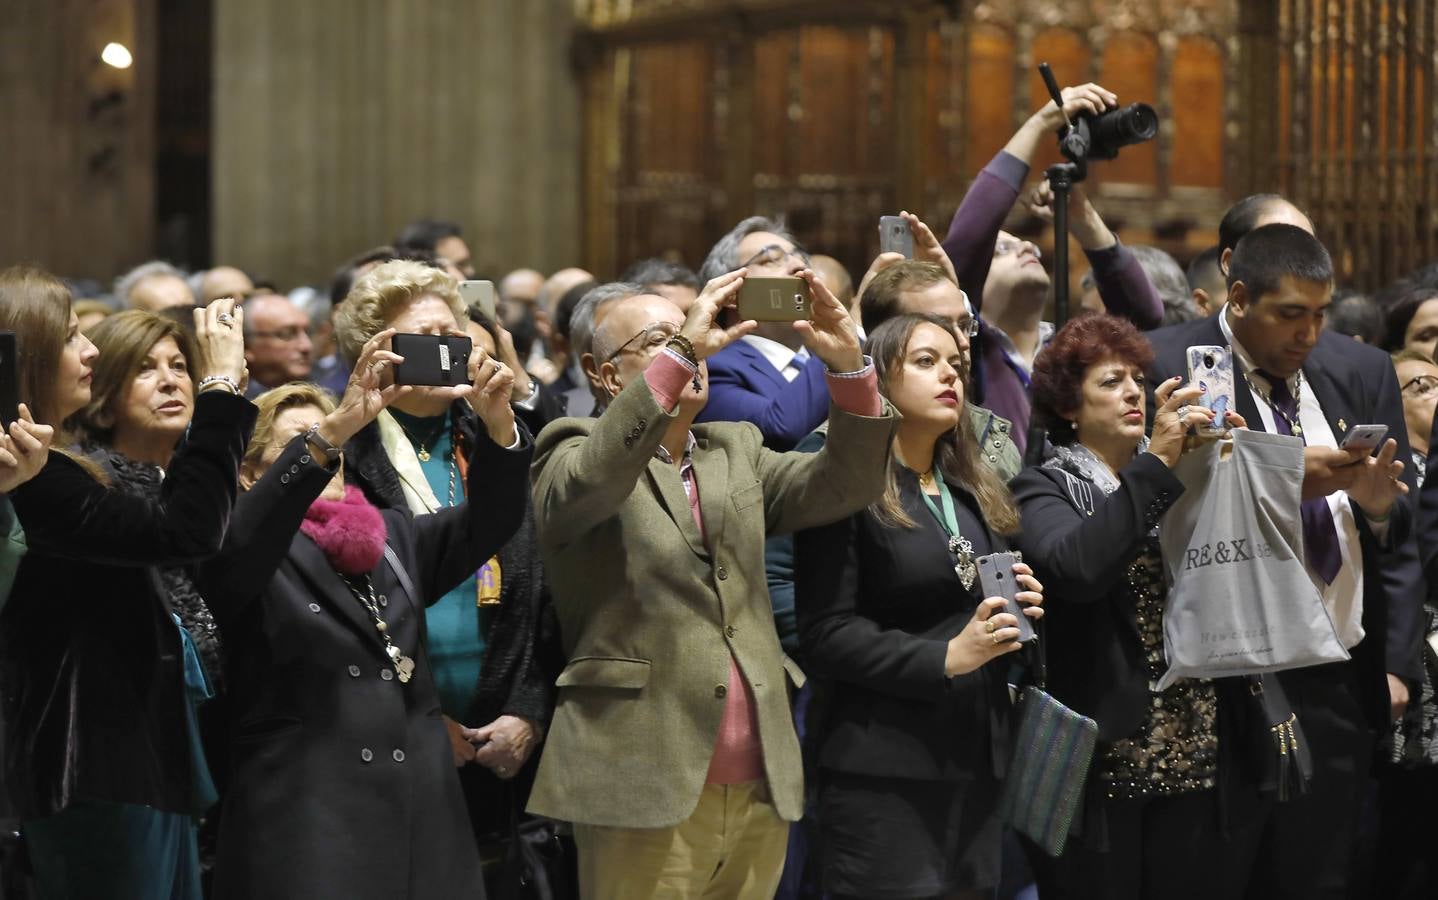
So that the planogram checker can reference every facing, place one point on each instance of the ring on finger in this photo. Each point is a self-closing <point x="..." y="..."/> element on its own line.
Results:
<point x="988" y="627"/>
<point x="994" y="639"/>
<point x="1183" y="411"/>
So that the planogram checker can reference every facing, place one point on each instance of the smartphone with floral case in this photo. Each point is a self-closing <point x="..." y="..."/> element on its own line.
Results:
<point x="1211" y="368"/>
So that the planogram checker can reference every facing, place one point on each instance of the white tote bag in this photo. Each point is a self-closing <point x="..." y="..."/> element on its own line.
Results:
<point x="1240" y="601"/>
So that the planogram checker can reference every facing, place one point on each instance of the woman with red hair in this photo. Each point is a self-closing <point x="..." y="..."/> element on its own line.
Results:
<point x="1090" y="517"/>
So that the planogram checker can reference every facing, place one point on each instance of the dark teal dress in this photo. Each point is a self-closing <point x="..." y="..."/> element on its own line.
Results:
<point x="456" y="624"/>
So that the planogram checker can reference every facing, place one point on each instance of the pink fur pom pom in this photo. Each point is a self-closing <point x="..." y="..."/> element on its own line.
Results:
<point x="351" y="531"/>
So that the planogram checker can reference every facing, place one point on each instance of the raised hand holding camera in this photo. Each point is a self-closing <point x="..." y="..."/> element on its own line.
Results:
<point x="830" y="333"/>
<point x="701" y="329"/>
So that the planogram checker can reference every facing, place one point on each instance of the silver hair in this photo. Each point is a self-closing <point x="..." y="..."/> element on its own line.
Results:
<point x="128" y="282"/>
<point x="599" y="342"/>
<point x="724" y="255"/>
<point x="1169" y="281"/>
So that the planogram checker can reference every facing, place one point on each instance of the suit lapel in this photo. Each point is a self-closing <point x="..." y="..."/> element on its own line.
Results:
<point x="330" y="590"/>
<point x="1332" y="399"/>
<point x="1247" y="403"/>
<point x="665" y="478"/>
<point x="761" y="365"/>
<point x="711" y="470"/>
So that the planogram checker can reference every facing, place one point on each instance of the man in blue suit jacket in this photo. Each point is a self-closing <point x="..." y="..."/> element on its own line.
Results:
<point x="765" y="378"/>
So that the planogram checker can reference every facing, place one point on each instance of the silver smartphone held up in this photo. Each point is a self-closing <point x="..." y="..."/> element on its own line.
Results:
<point x="895" y="236"/>
<point x="479" y="295"/>
<point x="996" y="577"/>
<point x="1364" y="437"/>
<point x="1211" y="368"/>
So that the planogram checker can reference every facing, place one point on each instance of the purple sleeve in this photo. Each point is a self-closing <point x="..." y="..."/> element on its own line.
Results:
<point x="976" y="224"/>
<point x="1124" y="286"/>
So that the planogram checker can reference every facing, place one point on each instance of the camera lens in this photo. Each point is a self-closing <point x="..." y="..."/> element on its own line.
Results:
<point x="1208" y="361"/>
<point x="1132" y="124"/>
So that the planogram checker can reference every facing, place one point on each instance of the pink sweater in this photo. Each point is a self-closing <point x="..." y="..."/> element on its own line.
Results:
<point x="738" y="753"/>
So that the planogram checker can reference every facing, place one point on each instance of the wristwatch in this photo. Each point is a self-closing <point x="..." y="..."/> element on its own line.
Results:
<point x="328" y="453"/>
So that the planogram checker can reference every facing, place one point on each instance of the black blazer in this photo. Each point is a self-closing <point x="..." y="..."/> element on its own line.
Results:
<point x="1355" y="383"/>
<point x="343" y="781"/>
<point x="522" y="655"/>
<point x="93" y="680"/>
<point x="877" y="606"/>
<point x="1095" y="655"/>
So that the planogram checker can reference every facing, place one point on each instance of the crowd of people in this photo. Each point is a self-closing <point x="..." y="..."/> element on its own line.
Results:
<point x="697" y="594"/>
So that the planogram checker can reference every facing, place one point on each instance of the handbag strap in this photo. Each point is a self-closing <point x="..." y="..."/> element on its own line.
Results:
<point x="401" y="574"/>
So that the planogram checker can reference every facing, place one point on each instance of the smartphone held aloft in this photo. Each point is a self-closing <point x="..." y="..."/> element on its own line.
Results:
<point x="1210" y="367"/>
<point x="775" y="299"/>
<point x="432" y="360"/>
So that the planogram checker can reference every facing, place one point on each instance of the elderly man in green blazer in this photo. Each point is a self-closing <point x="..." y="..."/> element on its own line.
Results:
<point x="672" y="748"/>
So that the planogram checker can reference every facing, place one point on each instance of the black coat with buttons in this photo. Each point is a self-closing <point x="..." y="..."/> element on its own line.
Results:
<point x="1080" y="547"/>
<point x="343" y="783"/>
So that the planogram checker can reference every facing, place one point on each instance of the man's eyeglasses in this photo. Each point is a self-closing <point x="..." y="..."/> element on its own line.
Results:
<point x="1422" y="386"/>
<point x="1005" y="246"/>
<point x="649" y="341"/>
<point x="969" y="324"/>
<point x="284" y="335"/>
<point x="774" y="254"/>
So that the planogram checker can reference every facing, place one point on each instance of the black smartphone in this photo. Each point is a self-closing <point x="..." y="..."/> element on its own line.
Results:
<point x="895" y="236"/>
<point x="996" y="576"/>
<point x="9" y="379"/>
<point x="432" y="359"/>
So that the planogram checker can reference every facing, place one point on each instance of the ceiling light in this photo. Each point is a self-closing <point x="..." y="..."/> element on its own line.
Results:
<point x="116" y="55"/>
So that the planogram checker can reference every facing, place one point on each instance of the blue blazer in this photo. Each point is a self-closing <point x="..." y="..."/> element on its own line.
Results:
<point x="745" y="387"/>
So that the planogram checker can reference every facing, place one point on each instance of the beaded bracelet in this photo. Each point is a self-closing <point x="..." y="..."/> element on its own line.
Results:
<point x="210" y="381"/>
<point x="684" y="347"/>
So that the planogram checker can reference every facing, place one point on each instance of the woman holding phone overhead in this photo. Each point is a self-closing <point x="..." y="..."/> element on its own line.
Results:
<point x="913" y="736"/>
<point x="343" y="782"/>
<point x="1090" y="529"/>
<point x="484" y="635"/>
<point x="99" y="679"/>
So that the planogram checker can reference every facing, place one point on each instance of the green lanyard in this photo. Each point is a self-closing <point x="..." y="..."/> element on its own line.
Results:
<point x="965" y="568"/>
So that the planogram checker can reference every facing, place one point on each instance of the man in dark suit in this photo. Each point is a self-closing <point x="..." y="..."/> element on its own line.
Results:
<point x="1292" y="377"/>
<point x="1402" y="572"/>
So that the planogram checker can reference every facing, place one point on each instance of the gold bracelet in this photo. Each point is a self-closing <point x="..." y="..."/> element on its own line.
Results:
<point x="684" y="347"/>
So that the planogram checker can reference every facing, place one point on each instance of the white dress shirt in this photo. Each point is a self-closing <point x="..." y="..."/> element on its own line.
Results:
<point x="786" y="362"/>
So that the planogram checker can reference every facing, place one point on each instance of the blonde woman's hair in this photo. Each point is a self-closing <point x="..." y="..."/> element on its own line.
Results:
<point x="275" y="401"/>
<point x="383" y="293"/>
<point x="956" y="455"/>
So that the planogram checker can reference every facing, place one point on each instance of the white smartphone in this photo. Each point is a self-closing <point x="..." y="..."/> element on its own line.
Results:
<point x="479" y="294"/>
<point x="1364" y="437"/>
<point x="1211" y="368"/>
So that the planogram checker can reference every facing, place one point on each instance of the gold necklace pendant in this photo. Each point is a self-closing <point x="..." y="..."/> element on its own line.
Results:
<point x="926" y="479"/>
<point x="423" y="454"/>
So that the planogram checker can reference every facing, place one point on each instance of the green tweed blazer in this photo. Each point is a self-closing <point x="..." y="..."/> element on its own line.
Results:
<point x="650" y="615"/>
